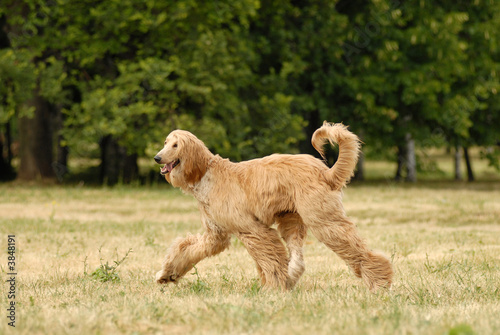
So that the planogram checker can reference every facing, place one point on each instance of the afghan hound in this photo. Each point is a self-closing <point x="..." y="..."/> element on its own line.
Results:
<point x="296" y="192"/>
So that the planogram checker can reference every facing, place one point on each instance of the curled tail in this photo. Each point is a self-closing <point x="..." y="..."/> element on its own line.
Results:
<point x="349" y="147"/>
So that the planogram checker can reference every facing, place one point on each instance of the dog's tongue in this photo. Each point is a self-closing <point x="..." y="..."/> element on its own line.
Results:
<point x="167" y="168"/>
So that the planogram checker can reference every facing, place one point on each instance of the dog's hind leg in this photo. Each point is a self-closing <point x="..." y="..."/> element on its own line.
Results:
<point x="340" y="235"/>
<point x="186" y="252"/>
<point x="294" y="232"/>
<point x="266" y="248"/>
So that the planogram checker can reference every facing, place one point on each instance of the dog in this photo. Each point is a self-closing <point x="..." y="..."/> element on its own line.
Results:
<point x="296" y="192"/>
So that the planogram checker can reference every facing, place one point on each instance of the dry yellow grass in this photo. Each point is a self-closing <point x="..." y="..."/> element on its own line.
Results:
<point x="444" y="240"/>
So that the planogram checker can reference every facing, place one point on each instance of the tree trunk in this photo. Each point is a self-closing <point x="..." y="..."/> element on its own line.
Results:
<point x="116" y="164"/>
<point x="313" y="123"/>
<point x="458" y="160"/>
<point x="401" y="163"/>
<point x="6" y="170"/>
<point x="109" y="161"/>
<point x="8" y="142"/>
<point x="411" y="162"/>
<point x="470" y="173"/>
<point x="130" y="168"/>
<point x="35" y="142"/>
<point x="61" y="164"/>
<point x="360" y="168"/>
<point x="359" y="174"/>
<point x="4" y="38"/>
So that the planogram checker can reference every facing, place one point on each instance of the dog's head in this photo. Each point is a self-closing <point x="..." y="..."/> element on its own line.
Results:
<point x="184" y="158"/>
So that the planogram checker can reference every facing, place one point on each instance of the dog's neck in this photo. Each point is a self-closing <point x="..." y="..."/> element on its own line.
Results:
<point x="200" y="191"/>
<point x="194" y="179"/>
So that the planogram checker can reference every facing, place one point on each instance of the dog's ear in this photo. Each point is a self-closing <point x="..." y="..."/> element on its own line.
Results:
<point x="194" y="160"/>
<point x="193" y="171"/>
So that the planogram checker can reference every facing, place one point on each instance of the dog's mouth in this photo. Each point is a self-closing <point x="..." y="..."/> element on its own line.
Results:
<point x="167" y="168"/>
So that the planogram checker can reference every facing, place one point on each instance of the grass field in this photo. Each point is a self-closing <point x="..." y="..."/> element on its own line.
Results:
<point x="443" y="239"/>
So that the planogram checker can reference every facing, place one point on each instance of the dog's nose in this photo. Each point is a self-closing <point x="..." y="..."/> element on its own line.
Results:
<point x="158" y="159"/>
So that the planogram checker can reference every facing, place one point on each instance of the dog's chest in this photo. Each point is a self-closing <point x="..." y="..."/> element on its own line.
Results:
<point x="201" y="191"/>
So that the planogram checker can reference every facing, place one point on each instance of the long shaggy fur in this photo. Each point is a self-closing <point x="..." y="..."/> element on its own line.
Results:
<point x="296" y="192"/>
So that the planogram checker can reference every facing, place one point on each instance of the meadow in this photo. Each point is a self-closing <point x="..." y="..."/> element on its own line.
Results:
<point x="75" y="274"/>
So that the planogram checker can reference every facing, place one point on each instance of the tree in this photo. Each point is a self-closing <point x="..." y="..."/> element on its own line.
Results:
<point x="416" y="70"/>
<point x="140" y="69"/>
<point x="6" y="170"/>
<point x="481" y="34"/>
<point x="249" y="78"/>
<point x="34" y="86"/>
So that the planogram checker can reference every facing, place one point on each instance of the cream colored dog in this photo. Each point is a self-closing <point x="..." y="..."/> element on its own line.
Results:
<point x="296" y="192"/>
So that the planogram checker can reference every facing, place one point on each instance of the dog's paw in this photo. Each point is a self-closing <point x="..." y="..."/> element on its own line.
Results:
<point x="163" y="278"/>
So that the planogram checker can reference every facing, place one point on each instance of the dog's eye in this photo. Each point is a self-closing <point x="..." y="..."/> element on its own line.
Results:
<point x="175" y="145"/>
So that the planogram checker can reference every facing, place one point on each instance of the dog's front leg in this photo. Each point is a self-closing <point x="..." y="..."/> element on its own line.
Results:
<point x="186" y="252"/>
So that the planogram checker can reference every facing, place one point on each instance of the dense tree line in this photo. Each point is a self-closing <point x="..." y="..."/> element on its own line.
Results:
<point x="109" y="79"/>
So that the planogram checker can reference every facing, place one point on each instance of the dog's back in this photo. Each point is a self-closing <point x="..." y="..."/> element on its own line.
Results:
<point x="268" y="186"/>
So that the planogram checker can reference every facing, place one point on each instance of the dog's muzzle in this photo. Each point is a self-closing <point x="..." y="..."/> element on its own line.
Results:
<point x="167" y="168"/>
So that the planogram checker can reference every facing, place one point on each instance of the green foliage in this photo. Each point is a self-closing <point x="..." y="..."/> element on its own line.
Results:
<point x="106" y="272"/>
<point x="199" y="286"/>
<point x="17" y="82"/>
<point x="254" y="289"/>
<point x="249" y="76"/>
<point x="461" y="329"/>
